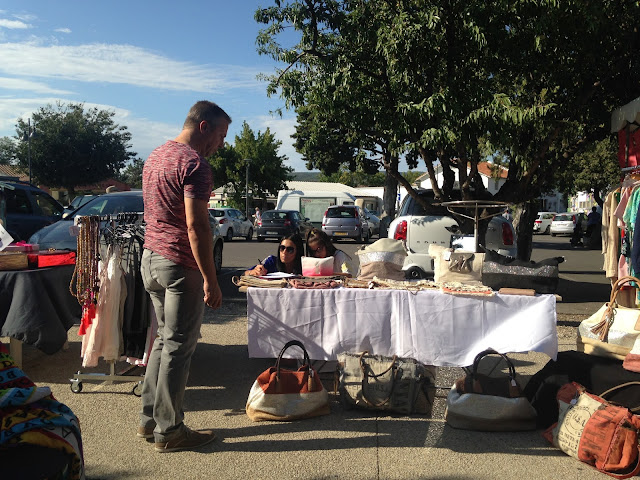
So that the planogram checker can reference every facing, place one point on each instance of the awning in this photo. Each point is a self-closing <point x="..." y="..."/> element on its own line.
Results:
<point x="628" y="114"/>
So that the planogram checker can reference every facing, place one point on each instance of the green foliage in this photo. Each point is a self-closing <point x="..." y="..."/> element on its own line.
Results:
<point x="8" y="149"/>
<point x="267" y="172"/>
<point x="132" y="173"/>
<point x="439" y="81"/>
<point x="73" y="146"/>
<point x="596" y="168"/>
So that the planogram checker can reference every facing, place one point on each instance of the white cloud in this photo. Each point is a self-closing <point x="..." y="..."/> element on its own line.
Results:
<point x="122" y="64"/>
<point x="29" y="86"/>
<point x="63" y="30"/>
<point x="13" y="24"/>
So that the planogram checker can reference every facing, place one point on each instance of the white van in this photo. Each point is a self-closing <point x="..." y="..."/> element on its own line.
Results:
<point x="312" y="204"/>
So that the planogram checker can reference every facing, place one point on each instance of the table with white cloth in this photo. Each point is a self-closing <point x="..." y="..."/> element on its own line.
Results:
<point x="434" y="327"/>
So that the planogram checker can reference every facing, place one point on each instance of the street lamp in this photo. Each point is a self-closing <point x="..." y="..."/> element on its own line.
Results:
<point x="246" y="191"/>
<point x="31" y="132"/>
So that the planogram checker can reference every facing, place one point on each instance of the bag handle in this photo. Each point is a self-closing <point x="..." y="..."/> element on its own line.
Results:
<point x="602" y="327"/>
<point x="365" y="380"/>
<point x="292" y="343"/>
<point x="491" y="351"/>
<point x="619" y="387"/>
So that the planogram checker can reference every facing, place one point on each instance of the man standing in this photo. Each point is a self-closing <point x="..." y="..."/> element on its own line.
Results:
<point x="177" y="267"/>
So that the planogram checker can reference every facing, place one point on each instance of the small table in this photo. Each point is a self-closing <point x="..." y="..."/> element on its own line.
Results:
<point x="433" y="327"/>
<point x="37" y="308"/>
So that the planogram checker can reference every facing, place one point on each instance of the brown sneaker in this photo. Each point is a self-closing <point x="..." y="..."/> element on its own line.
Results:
<point x="145" y="432"/>
<point x="190" y="440"/>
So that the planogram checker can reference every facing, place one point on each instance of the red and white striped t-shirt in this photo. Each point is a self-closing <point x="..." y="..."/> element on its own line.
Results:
<point x="172" y="172"/>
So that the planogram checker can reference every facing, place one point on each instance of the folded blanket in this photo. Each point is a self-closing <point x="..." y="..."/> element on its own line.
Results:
<point x="29" y="415"/>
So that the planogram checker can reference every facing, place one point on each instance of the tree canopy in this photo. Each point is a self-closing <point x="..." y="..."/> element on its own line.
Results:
<point x="267" y="172"/>
<point x="449" y="82"/>
<point x="73" y="145"/>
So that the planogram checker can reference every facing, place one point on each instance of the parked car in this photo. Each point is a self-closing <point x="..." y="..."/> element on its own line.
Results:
<point x="280" y="223"/>
<point x="419" y="227"/>
<point x="59" y="237"/>
<point x="565" y="223"/>
<point x="373" y="221"/>
<point x="346" y="221"/>
<point x="233" y="223"/>
<point x="542" y="223"/>
<point x="76" y="203"/>
<point x="28" y="208"/>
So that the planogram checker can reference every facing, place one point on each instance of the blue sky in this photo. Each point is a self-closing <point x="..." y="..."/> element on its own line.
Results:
<point x="146" y="61"/>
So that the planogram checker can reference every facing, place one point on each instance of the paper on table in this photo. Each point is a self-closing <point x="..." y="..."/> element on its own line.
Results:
<point x="276" y="275"/>
<point x="5" y="238"/>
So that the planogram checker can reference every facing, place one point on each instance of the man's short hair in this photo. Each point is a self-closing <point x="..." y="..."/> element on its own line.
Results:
<point x="207" y="111"/>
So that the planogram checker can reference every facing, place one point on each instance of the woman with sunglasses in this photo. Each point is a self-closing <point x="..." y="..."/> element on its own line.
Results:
<point x="288" y="259"/>
<point x="319" y="245"/>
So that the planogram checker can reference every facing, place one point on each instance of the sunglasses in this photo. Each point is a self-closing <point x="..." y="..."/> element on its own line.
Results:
<point x="288" y="249"/>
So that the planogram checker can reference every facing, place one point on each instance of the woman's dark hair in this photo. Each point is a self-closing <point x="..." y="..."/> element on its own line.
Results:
<point x="316" y="235"/>
<point x="297" y="263"/>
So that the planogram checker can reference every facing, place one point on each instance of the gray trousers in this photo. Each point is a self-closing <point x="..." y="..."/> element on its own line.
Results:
<point x="177" y="297"/>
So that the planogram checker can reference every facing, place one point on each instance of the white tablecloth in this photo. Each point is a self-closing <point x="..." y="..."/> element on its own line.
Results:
<point x="433" y="327"/>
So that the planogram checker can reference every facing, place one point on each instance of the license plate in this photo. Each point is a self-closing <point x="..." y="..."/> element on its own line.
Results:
<point x="272" y="233"/>
<point x="341" y="234"/>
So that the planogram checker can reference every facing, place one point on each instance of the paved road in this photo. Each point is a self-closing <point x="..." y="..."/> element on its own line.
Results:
<point x="583" y="286"/>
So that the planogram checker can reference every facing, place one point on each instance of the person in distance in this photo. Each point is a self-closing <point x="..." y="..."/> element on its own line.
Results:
<point x="287" y="260"/>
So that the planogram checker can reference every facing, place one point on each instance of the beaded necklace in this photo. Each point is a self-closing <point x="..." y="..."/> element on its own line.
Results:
<point x="85" y="273"/>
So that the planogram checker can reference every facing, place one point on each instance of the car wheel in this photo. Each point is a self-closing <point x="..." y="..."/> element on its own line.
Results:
<point x="260" y="239"/>
<point x="249" y="235"/>
<point x="229" y="236"/>
<point x="359" y="237"/>
<point x="553" y="234"/>
<point x="414" y="273"/>
<point x="366" y="238"/>
<point x="217" y="256"/>
<point x="547" y="230"/>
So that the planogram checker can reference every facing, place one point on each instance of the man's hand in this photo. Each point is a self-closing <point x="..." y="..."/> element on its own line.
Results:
<point x="212" y="295"/>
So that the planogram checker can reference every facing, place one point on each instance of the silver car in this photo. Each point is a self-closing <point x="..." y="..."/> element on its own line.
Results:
<point x="565" y="223"/>
<point x="420" y="227"/>
<point x="346" y="221"/>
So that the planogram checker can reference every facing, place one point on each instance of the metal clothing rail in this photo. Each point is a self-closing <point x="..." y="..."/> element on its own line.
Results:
<point x="125" y="224"/>
<point x="475" y="206"/>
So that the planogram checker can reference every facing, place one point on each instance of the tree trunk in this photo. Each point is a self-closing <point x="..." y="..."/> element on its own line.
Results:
<point x="524" y="217"/>
<point x="390" y="195"/>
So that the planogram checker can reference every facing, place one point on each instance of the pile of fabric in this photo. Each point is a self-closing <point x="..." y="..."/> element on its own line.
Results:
<point x="32" y="422"/>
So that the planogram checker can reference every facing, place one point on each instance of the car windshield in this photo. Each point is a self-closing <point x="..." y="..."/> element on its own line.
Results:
<point x="341" y="212"/>
<point x="563" y="218"/>
<point x="217" y="213"/>
<point x="432" y="208"/>
<point x="110" y="204"/>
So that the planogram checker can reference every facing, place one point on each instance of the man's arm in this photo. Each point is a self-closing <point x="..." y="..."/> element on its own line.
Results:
<point x="201" y="241"/>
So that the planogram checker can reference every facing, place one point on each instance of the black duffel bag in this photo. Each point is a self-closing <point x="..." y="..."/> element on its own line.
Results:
<point x="499" y="271"/>
<point x="596" y="374"/>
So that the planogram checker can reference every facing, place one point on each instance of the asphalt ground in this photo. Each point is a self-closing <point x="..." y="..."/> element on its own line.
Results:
<point x="345" y="444"/>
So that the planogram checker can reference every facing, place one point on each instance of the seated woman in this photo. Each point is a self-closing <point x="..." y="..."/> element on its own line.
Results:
<point x="288" y="260"/>
<point x="319" y="245"/>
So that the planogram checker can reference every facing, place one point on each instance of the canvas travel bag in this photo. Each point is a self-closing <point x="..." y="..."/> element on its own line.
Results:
<point x="596" y="432"/>
<point x="480" y="402"/>
<point x="454" y="266"/>
<point x="282" y="394"/>
<point x="613" y="329"/>
<point x="393" y="384"/>
<point x="384" y="258"/>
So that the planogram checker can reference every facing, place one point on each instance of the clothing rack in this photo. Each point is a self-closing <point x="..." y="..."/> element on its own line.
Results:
<point x="125" y="230"/>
